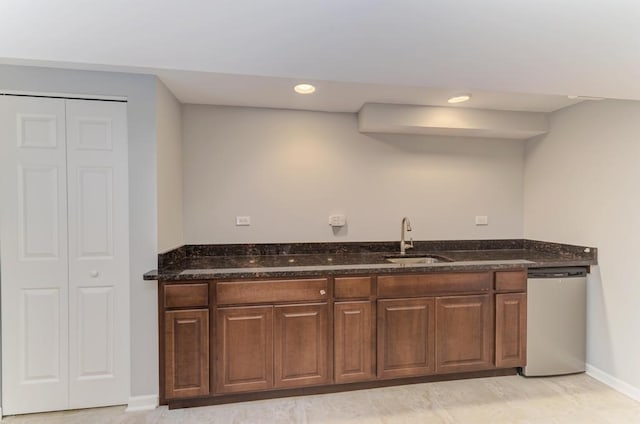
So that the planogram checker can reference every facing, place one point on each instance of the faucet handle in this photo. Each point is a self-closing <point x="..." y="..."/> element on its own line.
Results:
<point x="410" y="244"/>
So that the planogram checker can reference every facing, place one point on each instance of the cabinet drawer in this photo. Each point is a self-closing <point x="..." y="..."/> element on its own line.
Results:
<point x="186" y="295"/>
<point x="433" y="284"/>
<point x="352" y="287"/>
<point x="511" y="281"/>
<point x="238" y="292"/>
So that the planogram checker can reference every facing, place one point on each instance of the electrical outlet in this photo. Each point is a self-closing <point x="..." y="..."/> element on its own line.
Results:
<point x="243" y="221"/>
<point x="337" y="220"/>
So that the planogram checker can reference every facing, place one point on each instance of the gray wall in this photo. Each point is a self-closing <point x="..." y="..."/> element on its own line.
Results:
<point x="581" y="187"/>
<point x="169" y="170"/>
<point x="140" y="91"/>
<point x="289" y="170"/>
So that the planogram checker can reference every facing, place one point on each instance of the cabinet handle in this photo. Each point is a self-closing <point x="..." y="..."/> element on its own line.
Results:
<point x="94" y="274"/>
<point x="323" y="292"/>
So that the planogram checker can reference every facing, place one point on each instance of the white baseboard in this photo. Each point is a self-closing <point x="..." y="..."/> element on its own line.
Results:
<point x="613" y="382"/>
<point x="142" y="403"/>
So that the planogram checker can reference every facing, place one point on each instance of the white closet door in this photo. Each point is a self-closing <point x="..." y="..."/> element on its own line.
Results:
<point x="98" y="253"/>
<point x="33" y="248"/>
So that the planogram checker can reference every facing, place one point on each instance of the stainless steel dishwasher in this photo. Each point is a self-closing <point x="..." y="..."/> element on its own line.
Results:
<point x="556" y="321"/>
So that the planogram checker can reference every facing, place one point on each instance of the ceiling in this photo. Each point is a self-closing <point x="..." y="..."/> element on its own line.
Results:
<point x="511" y="55"/>
<point x="332" y="96"/>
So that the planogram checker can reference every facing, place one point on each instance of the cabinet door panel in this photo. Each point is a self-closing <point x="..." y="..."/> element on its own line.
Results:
<point x="511" y="330"/>
<point x="353" y="342"/>
<point x="406" y="337"/>
<point x="244" y="345"/>
<point x="464" y="333"/>
<point x="186" y="353"/>
<point x="301" y="344"/>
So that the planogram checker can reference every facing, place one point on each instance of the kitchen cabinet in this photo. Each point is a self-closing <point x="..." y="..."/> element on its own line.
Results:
<point x="354" y="348"/>
<point x="304" y="335"/>
<point x="244" y="349"/>
<point x="272" y="344"/>
<point x="511" y="318"/>
<point x="186" y="353"/>
<point x="301" y="345"/>
<point x="354" y="329"/>
<point x="406" y="337"/>
<point x="435" y="334"/>
<point x="186" y="339"/>
<point x="464" y="333"/>
<point x="511" y="330"/>
<point x="263" y="347"/>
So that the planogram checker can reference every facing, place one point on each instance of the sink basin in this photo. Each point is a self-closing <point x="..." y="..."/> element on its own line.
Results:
<point x="417" y="260"/>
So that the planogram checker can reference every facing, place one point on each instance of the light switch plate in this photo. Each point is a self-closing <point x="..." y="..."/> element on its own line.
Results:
<point x="482" y="220"/>
<point x="243" y="221"/>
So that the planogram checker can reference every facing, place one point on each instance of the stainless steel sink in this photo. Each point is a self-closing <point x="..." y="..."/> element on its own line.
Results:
<point x="417" y="260"/>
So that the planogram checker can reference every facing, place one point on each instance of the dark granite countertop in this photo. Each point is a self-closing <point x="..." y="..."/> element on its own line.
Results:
<point x="201" y="262"/>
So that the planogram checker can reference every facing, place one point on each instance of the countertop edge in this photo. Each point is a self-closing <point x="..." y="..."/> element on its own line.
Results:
<point x="311" y="271"/>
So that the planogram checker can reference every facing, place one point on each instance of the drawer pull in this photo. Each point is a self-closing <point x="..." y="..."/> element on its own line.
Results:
<point x="323" y="292"/>
<point x="94" y="274"/>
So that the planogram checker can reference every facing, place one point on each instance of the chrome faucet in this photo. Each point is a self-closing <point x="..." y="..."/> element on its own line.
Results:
<point x="406" y="226"/>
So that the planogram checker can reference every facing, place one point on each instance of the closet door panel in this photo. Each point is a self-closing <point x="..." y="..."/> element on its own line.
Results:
<point x="98" y="253"/>
<point x="33" y="254"/>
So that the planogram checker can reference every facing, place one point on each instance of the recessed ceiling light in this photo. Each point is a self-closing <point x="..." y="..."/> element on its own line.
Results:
<point x="304" y="88"/>
<point x="459" y="98"/>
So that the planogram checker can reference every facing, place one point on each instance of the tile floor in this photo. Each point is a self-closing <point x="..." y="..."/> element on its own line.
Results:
<point x="498" y="400"/>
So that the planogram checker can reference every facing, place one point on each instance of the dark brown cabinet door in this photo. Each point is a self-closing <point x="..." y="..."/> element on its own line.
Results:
<point x="301" y="345"/>
<point x="511" y="330"/>
<point x="406" y="337"/>
<point x="353" y="342"/>
<point x="244" y="349"/>
<point x="186" y="353"/>
<point x="464" y="333"/>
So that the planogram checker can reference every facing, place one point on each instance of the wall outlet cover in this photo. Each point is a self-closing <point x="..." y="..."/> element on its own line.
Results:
<point x="337" y="220"/>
